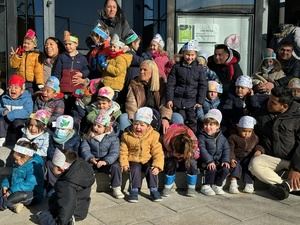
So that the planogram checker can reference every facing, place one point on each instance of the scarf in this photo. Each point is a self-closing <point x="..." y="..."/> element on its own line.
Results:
<point x="112" y="55"/>
<point x="30" y="136"/>
<point x="230" y="66"/>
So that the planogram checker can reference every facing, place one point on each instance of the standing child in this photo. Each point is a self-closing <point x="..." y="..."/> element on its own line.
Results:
<point x="187" y="85"/>
<point x="215" y="151"/>
<point x="15" y="107"/>
<point x="140" y="150"/>
<point x="243" y="146"/>
<point x="28" y="62"/>
<point x="101" y="148"/>
<point x="181" y="153"/>
<point x="25" y="184"/>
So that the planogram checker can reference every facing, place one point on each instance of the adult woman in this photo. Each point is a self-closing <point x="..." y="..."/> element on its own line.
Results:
<point x="52" y="48"/>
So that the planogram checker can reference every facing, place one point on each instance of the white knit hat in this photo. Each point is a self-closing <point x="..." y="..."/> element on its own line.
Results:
<point x="247" y="122"/>
<point x="244" y="81"/>
<point x="157" y="38"/>
<point x="214" y="114"/>
<point x="59" y="159"/>
<point x="294" y="83"/>
<point x="144" y="114"/>
<point x="64" y="122"/>
<point x="192" y="45"/>
<point x="116" y="41"/>
<point x="214" y="86"/>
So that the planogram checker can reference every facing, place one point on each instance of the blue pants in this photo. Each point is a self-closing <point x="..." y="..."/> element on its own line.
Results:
<point x="216" y="176"/>
<point x="115" y="171"/>
<point x="136" y="170"/>
<point x="172" y="165"/>
<point x="241" y="171"/>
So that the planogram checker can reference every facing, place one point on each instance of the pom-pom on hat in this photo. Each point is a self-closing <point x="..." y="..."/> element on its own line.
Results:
<point x="30" y="34"/>
<point x="244" y="81"/>
<point x="294" y="83"/>
<point x="53" y="82"/>
<point x="192" y="45"/>
<point x="64" y="122"/>
<point x="247" y="122"/>
<point x="157" y="38"/>
<point x="103" y="119"/>
<point x="41" y="115"/>
<point x="215" y="86"/>
<point x="269" y="54"/>
<point x="144" y="114"/>
<point x="214" y="114"/>
<point x="59" y="159"/>
<point x="131" y="38"/>
<point x="68" y="37"/>
<point x="116" y="41"/>
<point x="106" y="92"/>
<point x="98" y="29"/>
<point x="233" y="41"/>
<point x="17" y="80"/>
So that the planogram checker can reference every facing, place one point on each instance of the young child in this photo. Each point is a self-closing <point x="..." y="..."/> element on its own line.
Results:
<point x="210" y="74"/>
<point x="243" y="145"/>
<point x="181" y="153"/>
<point x="25" y="184"/>
<point x="51" y="99"/>
<point x="101" y="148"/>
<point x="64" y="137"/>
<point x="215" y="152"/>
<point x="28" y="61"/>
<point x="36" y="131"/>
<point x="15" y="107"/>
<point x="294" y="84"/>
<point x="71" y="199"/>
<point x="269" y="71"/>
<point x="187" y="86"/>
<point x="140" y="150"/>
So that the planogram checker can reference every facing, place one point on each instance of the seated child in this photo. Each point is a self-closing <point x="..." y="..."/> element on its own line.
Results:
<point x="15" y="107"/>
<point x="181" y="153"/>
<point x="36" y="131"/>
<point x="294" y="84"/>
<point x="243" y="146"/>
<point x="51" y="99"/>
<point x="28" y="62"/>
<point x="65" y="136"/>
<point x="25" y="184"/>
<point x="215" y="152"/>
<point x="101" y="147"/>
<point x="140" y="150"/>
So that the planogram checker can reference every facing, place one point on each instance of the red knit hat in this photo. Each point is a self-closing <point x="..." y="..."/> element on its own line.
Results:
<point x="16" y="79"/>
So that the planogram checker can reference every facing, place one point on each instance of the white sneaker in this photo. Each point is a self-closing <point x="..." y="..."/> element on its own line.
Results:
<point x="2" y="140"/>
<point x="117" y="193"/>
<point x="218" y="190"/>
<point x="234" y="188"/>
<point x="249" y="188"/>
<point x="207" y="190"/>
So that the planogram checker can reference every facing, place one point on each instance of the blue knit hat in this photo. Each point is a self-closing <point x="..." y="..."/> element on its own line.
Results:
<point x="53" y="83"/>
<point x="131" y="38"/>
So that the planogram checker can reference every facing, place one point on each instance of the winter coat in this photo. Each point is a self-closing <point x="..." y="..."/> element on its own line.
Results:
<point x="141" y="149"/>
<point x="207" y="105"/>
<point x="19" y="108"/>
<point x="55" y="106"/>
<point x="29" y="66"/>
<point x="42" y="142"/>
<point x="108" y="149"/>
<point x="186" y="85"/>
<point x="94" y="111"/>
<point x="262" y="77"/>
<point x="66" y="67"/>
<point x="115" y="73"/>
<point x="163" y="63"/>
<point x="241" y="148"/>
<point x="214" y="149"/>
<point x="279" y="133"/>
<point x="175" y="130"/>
<point x="291" y="68"/>
<point x="72" y="193"/>
<point x="27" y="177"/>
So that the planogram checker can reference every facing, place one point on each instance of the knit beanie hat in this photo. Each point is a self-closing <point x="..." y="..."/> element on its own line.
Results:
<point x="192" y="45"/>
<point x="269" y="54"/>
<point x="103" y="119"/>
<point x="64" y="122"/>
<point x="16" y="79"/>
<point x="157" y="38"/>
<point x="244" y="81"/>
<point x="41" y="115"/>
<point x="215" y="86"/>
<point x="106" y="92"/>
<point x="144" y="114"/>
<point x="131" y="38"/>
<point x="247" y="122"/>
<point x="233" y="41"/>
<point x="101" y="31"/>
<point x="30" y="34"/>
<point x="116" y="41"/>
<point x="214" y="114"/>
<point x="53" y="82"/>
<point x="59" y="159"/>
<point x="294" y="83"/>
<point x="68" y="37"/>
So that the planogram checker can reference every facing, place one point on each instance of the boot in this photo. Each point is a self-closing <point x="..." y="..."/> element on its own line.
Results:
<point x="169" y="183"/>
<point x="191" y="182"/>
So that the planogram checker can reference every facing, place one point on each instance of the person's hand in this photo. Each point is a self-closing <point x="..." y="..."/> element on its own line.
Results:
<point x="5" y="112"/>
<point x="233" y="163"/>
<point x="77" y="78"/>
<point x="93" y="161"/>
<point x="154" y="171"/>
<point x="251" y="92"/>
<point x="13" y="51"/>
<point x="124" y="168"/>
<point x="4" y="190"/>
<point x="211" y="166"/>
<point x="261" y="87"/>
<point x="165" y="125"/>
<point x="294" y="178"/>
<point x="269" y="86"/>
<point x="101" y="163"/>
<point x="169" y="104"/>
<point x="257" y="153"/>
<point x="197" y="106"/>
<point x="226" y="165"/>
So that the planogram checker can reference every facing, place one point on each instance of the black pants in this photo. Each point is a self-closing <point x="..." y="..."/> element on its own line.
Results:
<point x="14" y="198"/>
<point x="115" y="172"/>
<point x="136" y="170"/>
<point x="216" y="176"/>
<point x="189" y="116"/>
<point x="172" y="165"/>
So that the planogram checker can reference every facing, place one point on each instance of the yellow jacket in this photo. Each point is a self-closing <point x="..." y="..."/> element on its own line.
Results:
<point x="142" y="149"/>
<point x="115" y="73"/>
<point x="29" y="65"/>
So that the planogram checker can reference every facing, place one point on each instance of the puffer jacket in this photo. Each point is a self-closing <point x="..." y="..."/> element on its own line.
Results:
<point x="29" y="65"/>
<point x="141" y="149"/>
<point x="207" y="105"/>
<point x="214" y="149"/>
<point x="42" y="142"/>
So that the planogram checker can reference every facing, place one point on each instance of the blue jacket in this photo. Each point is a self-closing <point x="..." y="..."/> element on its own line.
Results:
<point x="108" y="149"/>
<point x="214" y="149"/>
<point x="19" y="108"/>
<point x="28" y="177"/>
<point x="207" y="105"/>
<point x="42" y="142"/>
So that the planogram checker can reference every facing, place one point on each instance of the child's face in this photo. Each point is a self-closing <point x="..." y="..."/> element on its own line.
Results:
<point x="97" y="39"/>
<point x="115" y="48"/>
<point x="269" y="62"/>
<point x="20" y="159"/>
<point x="104" y="105"/>
<point x="242" y="91"/>
<point x="48" y="93"/>
<point x="245" y="132"/>
<point x="15" y="91"/>
<point x="189" y="56"/>
<point x="71" y="46"/>
<point x="140" y="128"/>
<point x="56" y="170"/>
<point x="98" y="129"/>
<point x="296" y="92"/>
<point x="211" y="128"/>
<point x="28" y="45"/>
<point x="212" y="95"/>
<point x="154" y="46"/>
<point x="33" y="128"/>
<point x="136" y="44"/>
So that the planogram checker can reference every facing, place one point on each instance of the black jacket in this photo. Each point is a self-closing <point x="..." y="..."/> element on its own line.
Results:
<point x="72" y="193"/>
<point x="291" y="68"/>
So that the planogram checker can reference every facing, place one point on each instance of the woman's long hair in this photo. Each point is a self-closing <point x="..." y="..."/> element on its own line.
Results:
<point x="154" y="85"/>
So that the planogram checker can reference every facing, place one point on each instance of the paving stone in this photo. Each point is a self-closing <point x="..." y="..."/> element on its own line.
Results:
<point x="290" y="214"/>
<point x="266" y="219"/>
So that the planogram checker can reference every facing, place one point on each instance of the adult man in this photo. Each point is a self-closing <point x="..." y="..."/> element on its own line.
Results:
<point x="225" y="63"/>
<point x="278" y="126"/>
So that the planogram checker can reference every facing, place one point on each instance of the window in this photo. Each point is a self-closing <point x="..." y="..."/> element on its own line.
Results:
<point x="3" y="55"/>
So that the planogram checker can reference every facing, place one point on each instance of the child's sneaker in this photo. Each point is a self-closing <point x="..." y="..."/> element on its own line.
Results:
<point x="218" y="190"/>
<point x="133" y="196"/>
<point x="17" y="208"/>
<point x="233" y="188"/>
<point x="207" y="190"/>
<point x="166" y="192"/>
<point x="155" y="195"/>
<point x="117" y="193"/>
<point x="191" y="192"/>
<point x="249" y="188"/>
<point x="2" y="141"/>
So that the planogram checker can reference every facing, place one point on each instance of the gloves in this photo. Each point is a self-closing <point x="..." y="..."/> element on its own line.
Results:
<point x="101" y="59"/>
